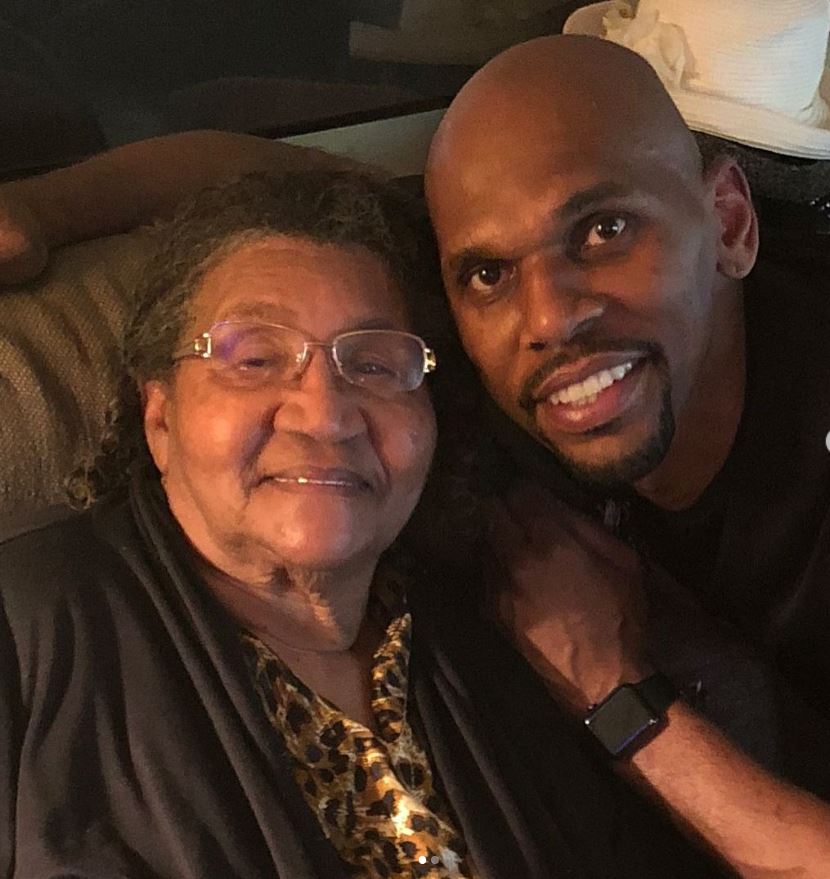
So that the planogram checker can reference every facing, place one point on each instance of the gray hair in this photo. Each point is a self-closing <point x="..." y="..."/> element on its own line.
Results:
<point x="324" y="206"/>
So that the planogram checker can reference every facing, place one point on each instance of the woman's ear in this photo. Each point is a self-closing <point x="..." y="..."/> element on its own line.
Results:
<point x="737" y="244"/>
<point x="155" y="397"/>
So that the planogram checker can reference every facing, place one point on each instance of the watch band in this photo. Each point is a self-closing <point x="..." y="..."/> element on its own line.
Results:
<point x="631" y="715"/>
<point x="658" y="691"/>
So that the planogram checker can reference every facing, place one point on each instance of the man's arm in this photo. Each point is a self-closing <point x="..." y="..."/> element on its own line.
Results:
<point x="574" y="608"/>
<point x="760" y="825"/>
<point x="126" y="187"/>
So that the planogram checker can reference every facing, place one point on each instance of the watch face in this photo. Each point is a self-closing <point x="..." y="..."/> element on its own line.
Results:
<point x="621" y="719"/>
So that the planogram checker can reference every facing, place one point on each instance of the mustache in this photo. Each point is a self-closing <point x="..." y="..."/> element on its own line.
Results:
<point x="576" y="351"/>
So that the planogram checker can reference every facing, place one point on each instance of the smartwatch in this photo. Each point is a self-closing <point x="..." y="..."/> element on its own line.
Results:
<point x="631" y="715"/>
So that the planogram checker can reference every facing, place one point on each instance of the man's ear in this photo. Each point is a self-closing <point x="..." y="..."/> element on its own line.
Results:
<point x="737" y="244"/>
<point x="155" y="396"/>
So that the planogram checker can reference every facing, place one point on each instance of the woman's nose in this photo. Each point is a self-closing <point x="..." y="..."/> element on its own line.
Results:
<point x="321" y="403"/>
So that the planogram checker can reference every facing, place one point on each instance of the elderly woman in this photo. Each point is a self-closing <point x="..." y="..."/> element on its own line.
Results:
<point x="208" y="672"/>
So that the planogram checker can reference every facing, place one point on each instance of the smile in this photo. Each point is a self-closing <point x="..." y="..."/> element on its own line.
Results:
<point x="337" y="480"/>
<point x="308" y="480"/>
<point x="585" y="392"/>
<point x="592" y="399"/>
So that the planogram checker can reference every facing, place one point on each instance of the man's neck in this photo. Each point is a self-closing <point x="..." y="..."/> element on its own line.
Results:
<point x="706" y="430"/>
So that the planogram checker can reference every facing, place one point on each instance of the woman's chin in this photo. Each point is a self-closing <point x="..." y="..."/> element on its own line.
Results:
<point x="328" y="534"/>
<point x="324" y="544"/>
<point x="324" y="556"/>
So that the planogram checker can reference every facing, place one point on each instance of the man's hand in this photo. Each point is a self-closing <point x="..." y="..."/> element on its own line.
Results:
<point x="573" y="601"/>
<point x="23" y="251"/>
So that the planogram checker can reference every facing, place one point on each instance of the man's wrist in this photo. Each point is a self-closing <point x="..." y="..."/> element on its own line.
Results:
<point x="598" y="690"/>
<point x="631" y="715"/>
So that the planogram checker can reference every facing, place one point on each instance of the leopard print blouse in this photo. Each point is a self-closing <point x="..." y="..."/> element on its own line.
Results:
<point x="373" y="794"/>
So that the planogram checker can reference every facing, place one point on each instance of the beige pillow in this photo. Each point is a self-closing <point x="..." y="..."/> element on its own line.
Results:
<point x="59" y="358"/>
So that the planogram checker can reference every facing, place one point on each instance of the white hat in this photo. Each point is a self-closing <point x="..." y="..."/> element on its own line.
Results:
<point x="752" y="71"/>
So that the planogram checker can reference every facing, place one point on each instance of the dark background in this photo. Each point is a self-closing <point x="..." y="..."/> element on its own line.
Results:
<point x="77" y="76"/>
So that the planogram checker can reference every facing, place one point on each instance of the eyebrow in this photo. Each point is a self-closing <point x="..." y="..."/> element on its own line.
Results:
<point x="469" y="257"/>
<point x="259" y="310"/>
<point x="268" y="312"/>
<point x="594" y="196"/>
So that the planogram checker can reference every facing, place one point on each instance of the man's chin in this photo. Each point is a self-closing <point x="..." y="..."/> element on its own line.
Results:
<point x="604" y="461"/>
<point x="614" y="474"/>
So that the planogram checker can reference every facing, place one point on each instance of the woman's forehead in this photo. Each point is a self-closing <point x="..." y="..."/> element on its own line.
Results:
<point x="302" y="283"/>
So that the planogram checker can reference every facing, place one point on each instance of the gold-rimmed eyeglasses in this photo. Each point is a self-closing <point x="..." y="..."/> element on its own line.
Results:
<point x="254" y="354"/>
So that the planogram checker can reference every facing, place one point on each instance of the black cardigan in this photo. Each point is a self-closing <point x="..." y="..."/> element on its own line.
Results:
<point x="134" y="744"/>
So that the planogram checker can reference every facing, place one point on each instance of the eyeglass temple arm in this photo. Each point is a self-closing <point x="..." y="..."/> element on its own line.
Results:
<point x="201" y="347"/>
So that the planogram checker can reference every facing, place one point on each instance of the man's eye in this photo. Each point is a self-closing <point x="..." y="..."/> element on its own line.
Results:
<point x="604" y="230"/>
<point x="485" y="277"/>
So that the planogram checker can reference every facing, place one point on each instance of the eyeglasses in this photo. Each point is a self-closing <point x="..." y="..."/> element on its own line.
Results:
<point x="253" y="355"/>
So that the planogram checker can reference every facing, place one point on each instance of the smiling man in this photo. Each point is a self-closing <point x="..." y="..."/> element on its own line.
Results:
<point x="605" y="286"/>
<point x="592" y="266"/>
<point x="608" y="289"/>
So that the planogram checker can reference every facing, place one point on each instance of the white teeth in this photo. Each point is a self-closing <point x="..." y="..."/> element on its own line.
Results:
<point x="592" y="385"/>
<point x="585" y="401"/>
<point x="307" y="480"/>
<point x="586" y="392"/>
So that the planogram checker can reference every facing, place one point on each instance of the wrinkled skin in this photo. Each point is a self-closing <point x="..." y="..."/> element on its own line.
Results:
<point x="219" y="449"/>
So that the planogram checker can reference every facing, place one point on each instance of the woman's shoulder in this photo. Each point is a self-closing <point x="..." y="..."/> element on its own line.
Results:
<point x="49" y="558"/>
<point x="41" y="558"/>
<point x="39" y="538"/>
<point x="37" y="534"/>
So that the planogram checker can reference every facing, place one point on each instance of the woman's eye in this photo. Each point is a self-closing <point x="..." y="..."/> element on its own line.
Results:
<point x="259" y="360"/>
<point x="253" y="363"/>
<point x="604" y="230"/>
<point x="371" y="367"/>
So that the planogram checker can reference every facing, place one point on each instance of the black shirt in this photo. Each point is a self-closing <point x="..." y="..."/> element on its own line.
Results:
<point x="135" y="744"/>
<point x="755" y="547"/>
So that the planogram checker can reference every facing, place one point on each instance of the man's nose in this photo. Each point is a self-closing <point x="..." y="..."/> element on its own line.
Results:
<point x="556" y="302"/>
<point x="320" y="403"/>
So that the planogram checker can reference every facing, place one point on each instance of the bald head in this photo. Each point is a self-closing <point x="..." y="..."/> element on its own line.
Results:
<point x="591" y="264"/>
<point x="564" y="93"/>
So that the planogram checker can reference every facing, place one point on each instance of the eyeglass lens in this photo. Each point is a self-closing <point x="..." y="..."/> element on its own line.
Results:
<point x="382" y="361"/>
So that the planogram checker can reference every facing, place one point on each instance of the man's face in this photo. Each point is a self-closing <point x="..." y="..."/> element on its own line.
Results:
<point x="583" y="282"/>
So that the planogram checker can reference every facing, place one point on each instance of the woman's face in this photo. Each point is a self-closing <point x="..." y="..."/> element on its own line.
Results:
<point x="312" y="473"/>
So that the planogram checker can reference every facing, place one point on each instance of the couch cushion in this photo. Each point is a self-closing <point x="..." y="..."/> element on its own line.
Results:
<point x="59" y="355"/>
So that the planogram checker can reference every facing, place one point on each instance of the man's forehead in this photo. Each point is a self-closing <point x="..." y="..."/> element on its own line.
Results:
<point x="519" y="122"/>
<point x="497" y="213"/>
